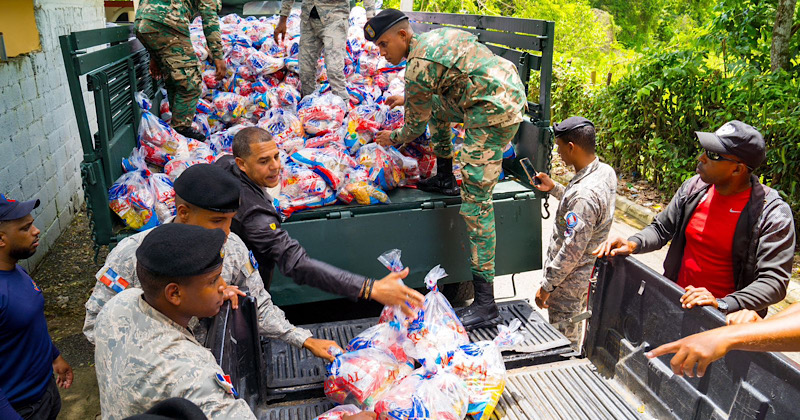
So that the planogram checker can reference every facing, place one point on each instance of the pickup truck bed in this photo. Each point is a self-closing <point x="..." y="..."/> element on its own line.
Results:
<point x="633" y="309"/>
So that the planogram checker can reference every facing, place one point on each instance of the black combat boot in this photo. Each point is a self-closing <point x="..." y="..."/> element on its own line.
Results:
<point x="444" y="182"/>
<point x="190" y="132"/>
<point x="483" y="311"/>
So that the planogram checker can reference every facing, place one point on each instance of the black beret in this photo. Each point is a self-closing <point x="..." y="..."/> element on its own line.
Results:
<point x="209" y="187"/>
<point x="379" y="24"/>
<point x="179" y="250"/>
<point x="570" y="124"/>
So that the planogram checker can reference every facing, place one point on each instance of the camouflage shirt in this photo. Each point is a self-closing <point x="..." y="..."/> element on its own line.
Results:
<point x="237" y="270"/>
<point x="583" y="221"/>
<point x="468" y="78"/>
<point x="178" y="14"/>
<point x="143" y="357"/>
<point x="327" y="9"/>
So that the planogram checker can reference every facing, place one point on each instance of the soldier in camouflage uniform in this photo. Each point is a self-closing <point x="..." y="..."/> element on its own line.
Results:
<point x="145" y="352"/>
<point x="215" y="202"/>
<point x="583" y="220"/>
<point x="451" y="77"/>
<point x="323" y="23"/>
<point x="163" y="28"/>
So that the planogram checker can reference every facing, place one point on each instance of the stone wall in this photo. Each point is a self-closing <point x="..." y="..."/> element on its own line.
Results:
<point x="40" y="150"/>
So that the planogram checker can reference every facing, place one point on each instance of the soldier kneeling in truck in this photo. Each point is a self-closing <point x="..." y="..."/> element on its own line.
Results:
<point x="206" y="196"/>
<point x="256" y="163"/>
<point x="732" y="237"/>
<point x="452" y="77"/>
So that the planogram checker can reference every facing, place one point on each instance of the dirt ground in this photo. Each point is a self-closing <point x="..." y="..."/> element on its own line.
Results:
<point x="66" y="276"/>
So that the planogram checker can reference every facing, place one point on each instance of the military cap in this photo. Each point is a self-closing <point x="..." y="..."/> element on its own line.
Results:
<point x="570" y="124"/>
<point x="738" y="139"/>
<point x="382" y="22"/>
<point x="209" y="187"/>
<point x="180" y="250"/>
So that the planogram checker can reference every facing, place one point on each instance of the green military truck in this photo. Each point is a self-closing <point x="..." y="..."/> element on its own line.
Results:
<point x="427" y="227"/>
<point x="631" y="307"/>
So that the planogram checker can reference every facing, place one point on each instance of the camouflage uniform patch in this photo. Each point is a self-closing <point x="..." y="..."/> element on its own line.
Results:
<point x="582" y="222"/>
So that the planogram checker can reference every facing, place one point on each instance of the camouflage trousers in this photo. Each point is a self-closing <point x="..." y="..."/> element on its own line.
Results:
<point x="569" y="299"/>
<point x="481" y="161"/>
<point x="313" y="37"/>
<point x="178" y="63"/>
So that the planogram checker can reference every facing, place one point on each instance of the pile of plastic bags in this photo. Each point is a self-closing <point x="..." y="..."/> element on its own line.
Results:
<point x="328" y="147"/>
<point x="422" y="367"/>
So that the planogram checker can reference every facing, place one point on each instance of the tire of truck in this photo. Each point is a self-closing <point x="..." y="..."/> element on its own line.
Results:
<point x="458" y="293"/>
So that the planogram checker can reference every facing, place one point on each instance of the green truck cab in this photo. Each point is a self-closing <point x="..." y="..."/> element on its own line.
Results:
<point x="427" y="227"/>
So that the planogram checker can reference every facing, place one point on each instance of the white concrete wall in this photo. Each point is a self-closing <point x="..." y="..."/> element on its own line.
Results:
<point x="40" y="151"/>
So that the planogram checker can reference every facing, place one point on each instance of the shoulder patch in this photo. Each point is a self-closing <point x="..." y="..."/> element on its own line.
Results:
<point x="572" y="220"/>
<point x="253" y="261"/>
<point x="273" y="226"/>
<point x="35" y="287"/>
<point x="113" y="280"/>
<point x="224" y="382"/>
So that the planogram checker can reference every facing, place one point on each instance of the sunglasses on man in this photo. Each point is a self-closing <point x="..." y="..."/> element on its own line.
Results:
<point x="718" y="157"/>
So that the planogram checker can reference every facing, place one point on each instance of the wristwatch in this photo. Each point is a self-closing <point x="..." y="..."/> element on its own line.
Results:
<point x="722" y="306"/>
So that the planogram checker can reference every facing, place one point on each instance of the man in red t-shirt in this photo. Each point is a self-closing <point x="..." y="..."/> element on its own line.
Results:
<point x="732" y="237"/>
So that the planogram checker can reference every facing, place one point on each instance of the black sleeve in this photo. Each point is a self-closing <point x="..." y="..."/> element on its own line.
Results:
<point x="291" y="258"/>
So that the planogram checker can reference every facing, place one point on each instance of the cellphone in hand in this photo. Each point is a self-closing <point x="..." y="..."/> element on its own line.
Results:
<point x="530" y="171"/>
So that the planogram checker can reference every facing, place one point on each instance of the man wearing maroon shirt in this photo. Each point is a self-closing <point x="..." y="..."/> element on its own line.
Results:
<point x="732" y="237"/>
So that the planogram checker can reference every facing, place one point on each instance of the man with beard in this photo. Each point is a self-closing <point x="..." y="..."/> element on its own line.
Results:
<point x="28" y="357"/>
<point x="732" y="236"/>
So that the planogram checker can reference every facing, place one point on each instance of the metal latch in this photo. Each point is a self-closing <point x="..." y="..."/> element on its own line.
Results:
<point x="340" y="214"/>
<point x="528" y="195"/>
<point x="430" y="205"/>
<point x="574" y="320"/>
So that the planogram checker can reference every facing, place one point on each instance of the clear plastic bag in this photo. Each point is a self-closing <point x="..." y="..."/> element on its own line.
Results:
<point x="436" y="330"/>
<point x="329" y="163"/>
<point x="359" y="187"/>
<point x="337" y="413"/>
<point x="361" y="377"/>
<point x="229" y="105"/>
<point x="480" y="365"/>
<point x="281" y="124"/>
<point x="302" y="189"/>
<point x="389" y="336"/>
<point x="132" y="199"/>
<point x="362" y="123"/>
<point x="409" y="167"/>
<point x="263" y="64"/>
<point x="321" y="114"/>
<point x="159" y="141"/>
<point x="164" y="193"/>
<point x="383" y="171"/>
<point x="429" y="394"/>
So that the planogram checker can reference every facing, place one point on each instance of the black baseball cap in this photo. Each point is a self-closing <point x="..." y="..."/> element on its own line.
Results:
<point x="382" y="22"/>
<point x="13" y="210"/>
<point x="738" y="139"/>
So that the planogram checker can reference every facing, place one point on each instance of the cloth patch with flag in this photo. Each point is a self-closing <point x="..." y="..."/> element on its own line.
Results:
<point x="224" y="381"/>
<point x="113" y="280"/>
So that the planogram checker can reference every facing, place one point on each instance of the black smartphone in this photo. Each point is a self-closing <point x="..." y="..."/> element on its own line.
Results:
<point x="530" y="171"/>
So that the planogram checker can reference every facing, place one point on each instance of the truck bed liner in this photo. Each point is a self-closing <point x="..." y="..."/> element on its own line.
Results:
<point x="565" y="390"/>
<point x="290" y="369"/>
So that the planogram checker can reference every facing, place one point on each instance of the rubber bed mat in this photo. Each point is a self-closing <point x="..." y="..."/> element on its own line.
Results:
<point x="563" y="390"/>
<point x="290" y="369"/>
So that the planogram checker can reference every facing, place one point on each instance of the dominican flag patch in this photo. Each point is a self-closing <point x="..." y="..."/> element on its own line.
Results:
<point x="224" y="381"/>
<point x="113" y="280"/>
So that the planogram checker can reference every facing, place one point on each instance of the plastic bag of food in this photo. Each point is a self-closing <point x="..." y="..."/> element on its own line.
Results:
<point x="391" y="260"/>
<point x="263" y="64"/>
<point x="388" y="336"/>
<point x="362" y="123"/>
<point x="281" y="124"/>
<point x="302" y="189"/>
<point x="334" y="139"/>
<point x="338" y="412"/>
<point x="480" y="365"/>
<point x="329" y="163"/>
<point x="159" y="141"/>
<point x="286" y="96"/>
<point x="291" y="144"/>
<point x="428" y="393"/>
<point x="361" y="377"/>
<point x="229" y="105"/>
<point x="436" y="330"/>
<point x="383" y="171"/>
<point x="408" y="167"/>
<point x="222" y="142"/>
<point x="132" y="199"/>
<point x="321" y="114"/>
<point x="394" y="119"/>
<point x="359" y="187"/>
<point x="164" y="193"/>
